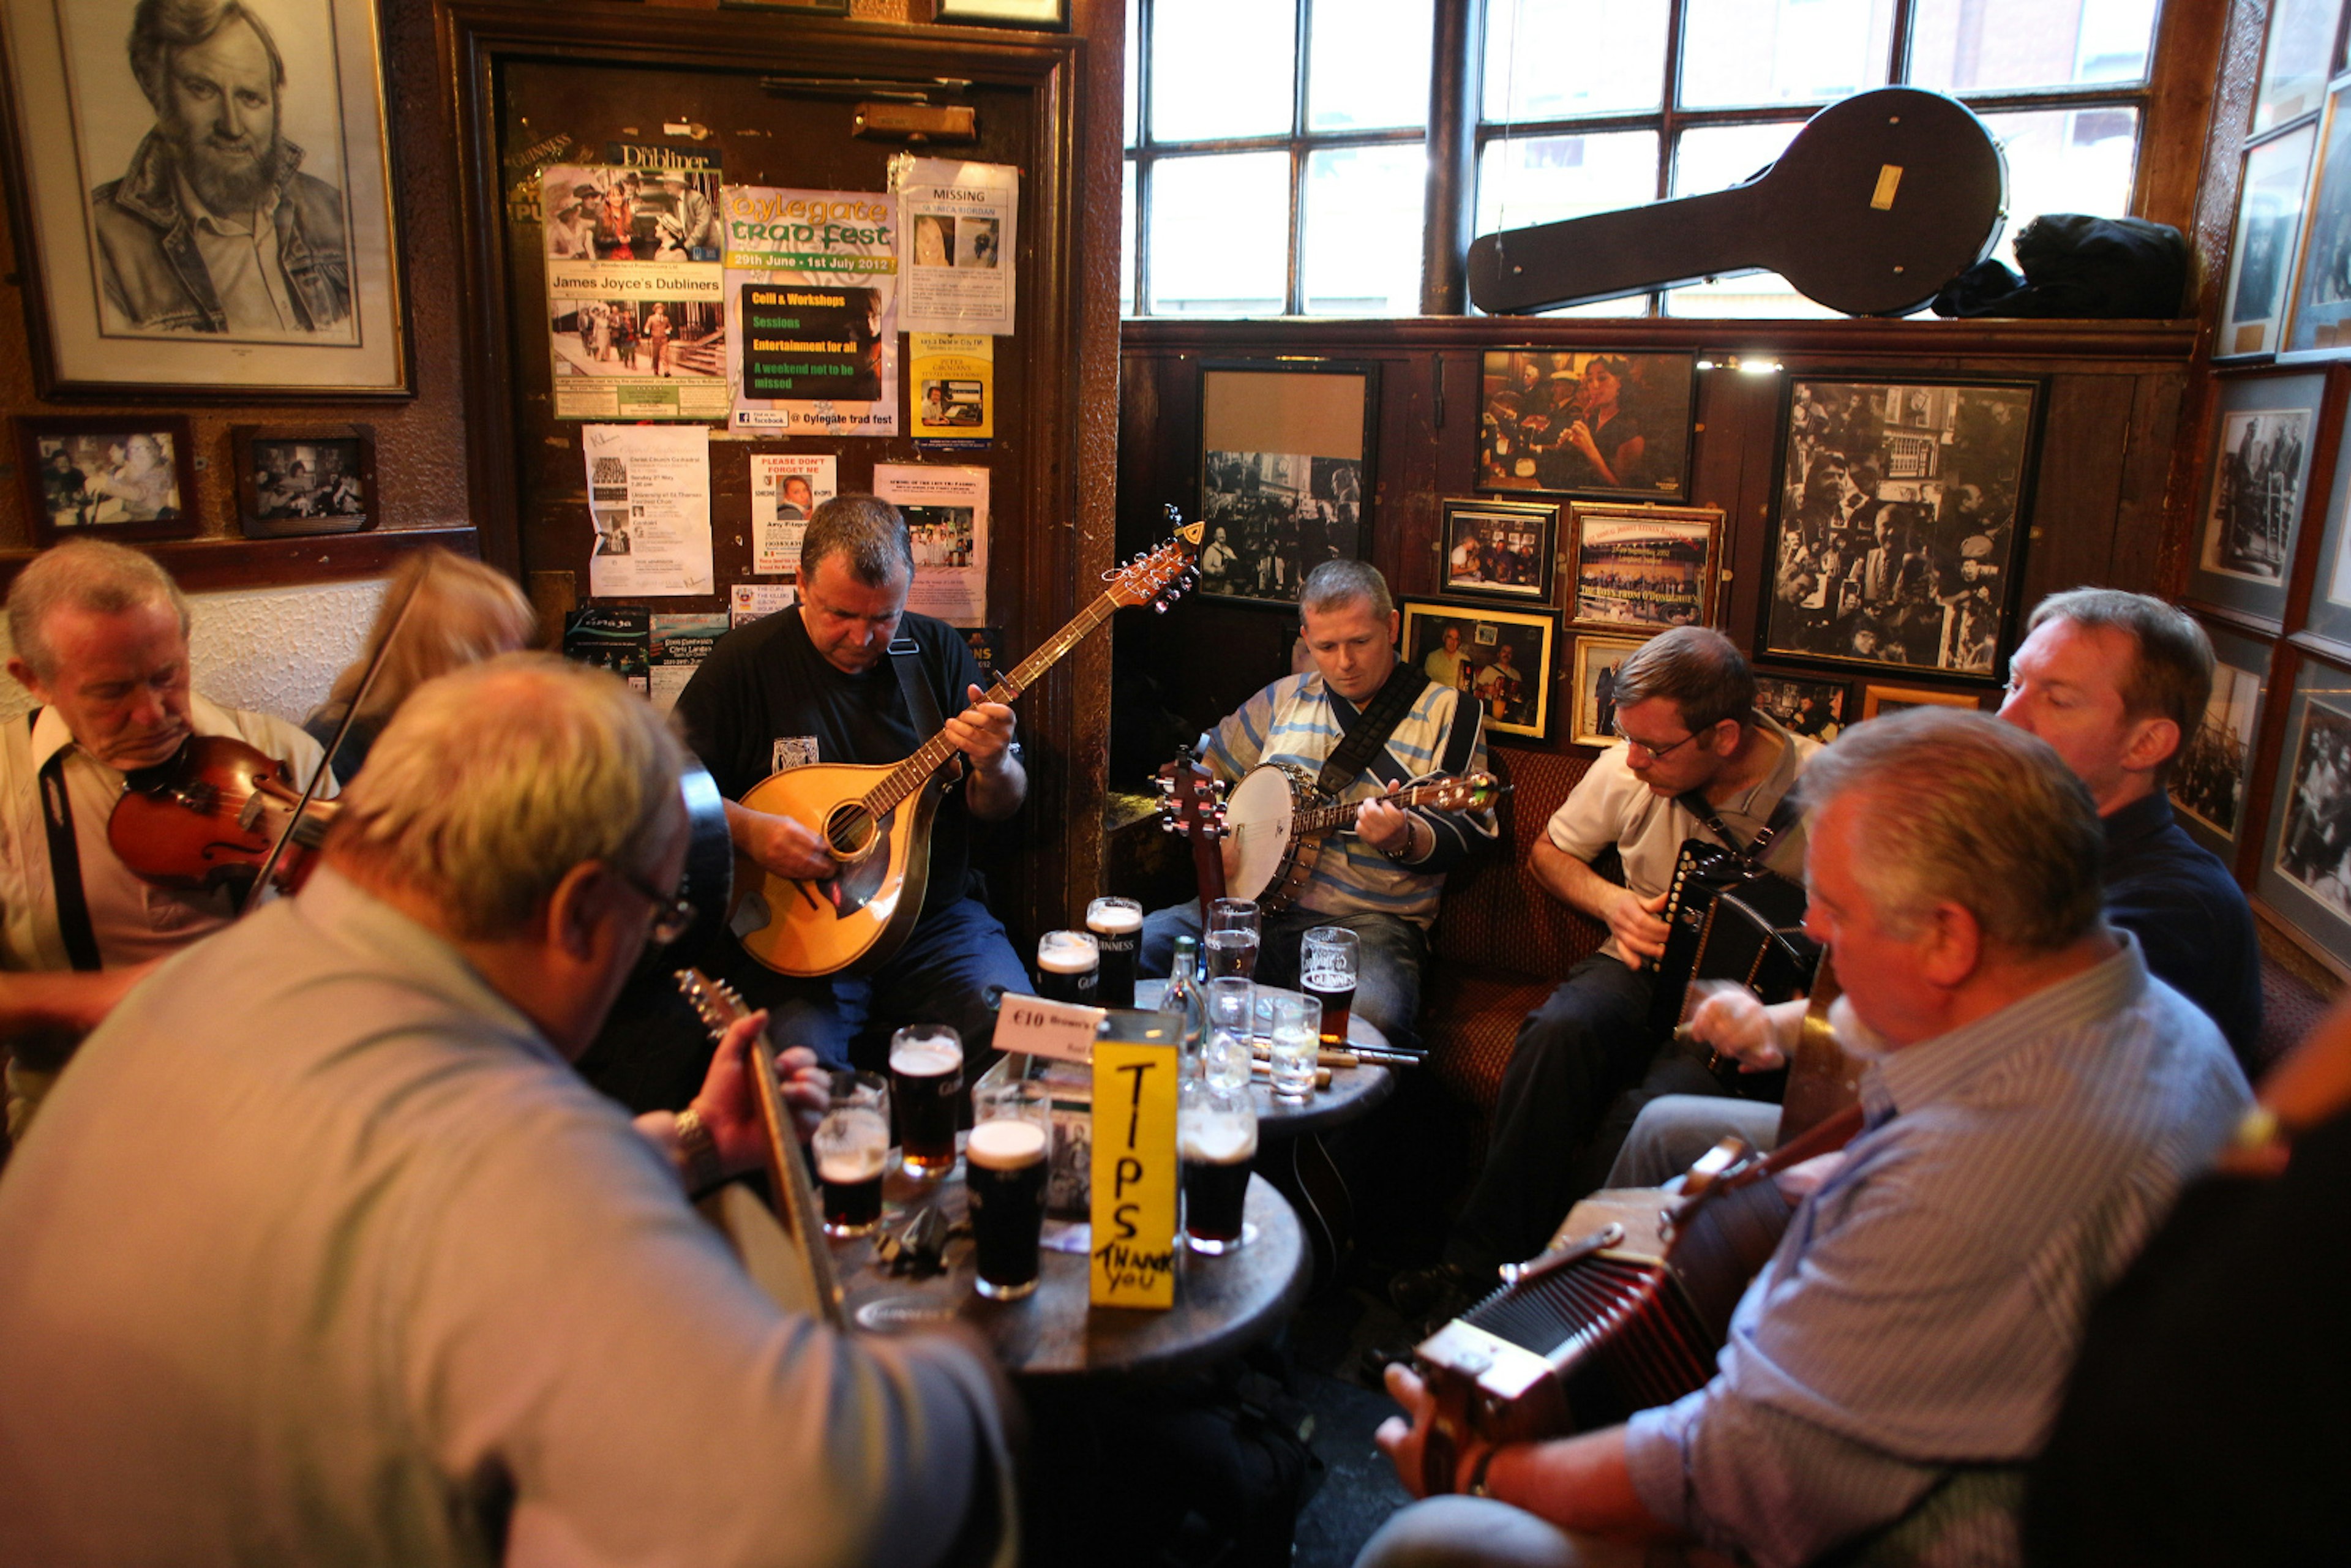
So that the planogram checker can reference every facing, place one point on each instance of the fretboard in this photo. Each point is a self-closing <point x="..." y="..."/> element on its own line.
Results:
<point x="1328" y="819"/>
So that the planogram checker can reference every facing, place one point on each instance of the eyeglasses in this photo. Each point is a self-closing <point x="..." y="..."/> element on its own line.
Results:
<point x="671" y="916"/>
<point x="1655" y="752"/>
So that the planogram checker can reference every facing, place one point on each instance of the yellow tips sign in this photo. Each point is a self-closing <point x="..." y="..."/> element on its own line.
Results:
<point x="1135" y="1175"/>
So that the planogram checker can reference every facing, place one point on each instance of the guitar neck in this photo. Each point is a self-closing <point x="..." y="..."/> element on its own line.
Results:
<point x="1342" y="814"/>
<point x="916" y="770"/>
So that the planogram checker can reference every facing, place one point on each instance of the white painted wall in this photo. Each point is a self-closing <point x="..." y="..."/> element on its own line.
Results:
<point x="273" y="650"/>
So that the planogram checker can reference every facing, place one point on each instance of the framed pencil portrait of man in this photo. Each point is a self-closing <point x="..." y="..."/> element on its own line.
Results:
<point x="209" y="196"/>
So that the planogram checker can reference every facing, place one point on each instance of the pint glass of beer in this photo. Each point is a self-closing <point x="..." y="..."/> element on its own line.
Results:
<point x="925" y="1079"/>
<point x="1328" y="963"/>
<point x="1068" y="963"/>
<point x="1216" y="1132"/>
<point x="853" y="1146"/>
<point x="1117" y="927"/>
<point x="1004" y="1169"/>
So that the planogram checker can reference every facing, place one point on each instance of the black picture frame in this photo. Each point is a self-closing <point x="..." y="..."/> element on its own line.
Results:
<point x="2302" y="876"/>
<point x="116" y="476"/>
<point x="1783" y="698"/>
<point x="1500" y="550"/>
<point x="298" y="479"/>
<point x="2213" y="770"/>
<point x="1520" y="704"/>
<point x="1639" y="568"/>
<point x="1287" y="451"/>
<point x="1523" y="447"/>
<point x="1903" y="505"/>
<point x="2256" y="488"/>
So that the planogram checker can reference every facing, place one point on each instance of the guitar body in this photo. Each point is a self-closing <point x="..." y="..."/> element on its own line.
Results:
<point x="855" y="919"/>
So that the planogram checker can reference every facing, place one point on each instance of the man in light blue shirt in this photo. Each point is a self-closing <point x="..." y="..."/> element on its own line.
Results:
<point x="2036" y="1100"/>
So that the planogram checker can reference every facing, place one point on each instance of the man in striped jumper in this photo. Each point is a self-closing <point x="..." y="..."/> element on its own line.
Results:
<point x="2035" y="1099"/>
<point x="1382" y="880"/>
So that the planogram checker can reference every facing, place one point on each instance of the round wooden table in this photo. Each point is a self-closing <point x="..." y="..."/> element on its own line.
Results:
<point x="1223" y="1304"/>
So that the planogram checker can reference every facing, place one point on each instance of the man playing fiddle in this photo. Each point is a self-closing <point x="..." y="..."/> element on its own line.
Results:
<point x="100" y="636"/>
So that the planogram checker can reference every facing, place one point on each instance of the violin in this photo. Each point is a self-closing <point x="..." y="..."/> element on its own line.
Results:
<point x="210" y="816"/>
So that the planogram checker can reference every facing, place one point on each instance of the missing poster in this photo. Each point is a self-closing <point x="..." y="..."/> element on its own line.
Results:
<point x="956" y="230"/>
<point x="635" y="297"/>
<point x="813" y="277"/>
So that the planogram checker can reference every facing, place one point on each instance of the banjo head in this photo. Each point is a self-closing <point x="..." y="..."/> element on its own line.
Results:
<point x="1258" y="815"/>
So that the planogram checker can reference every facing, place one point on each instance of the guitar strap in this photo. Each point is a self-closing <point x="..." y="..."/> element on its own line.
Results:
<point x="65" y="861"/>
<point x="1367" y="731"/>
<point x="906" y="659"/>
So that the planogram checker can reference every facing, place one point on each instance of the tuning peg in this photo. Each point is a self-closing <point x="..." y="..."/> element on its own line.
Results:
<point x="1158" y="607"/>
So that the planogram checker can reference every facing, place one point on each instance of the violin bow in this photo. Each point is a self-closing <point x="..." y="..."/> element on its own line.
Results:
<point x="311" y="790"/>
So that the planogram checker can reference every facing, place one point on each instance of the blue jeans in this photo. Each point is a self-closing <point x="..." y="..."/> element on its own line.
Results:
<point x="1387" y="983"/>
<point x="1481" y="1532"/>
<point x="941" y="976"/>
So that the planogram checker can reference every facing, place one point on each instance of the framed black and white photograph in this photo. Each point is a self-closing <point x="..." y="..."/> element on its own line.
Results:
<point x="1876" y="700"/>
<point x="1286" y="448"/>
<point x="1500" y="550"/>
<point x="1571" y="421"/>
<point x="1503" y="658"/>
<point x="2296" y="54"/>
<point x="1642" y="568"/>
<point x="298" y="479"/>
<point x="135" y="132"/>
<point x="2321" y="318"/>
<point x="2328" y="614"/>
<point x="2257" y="482"/>
<point x="108" y="477"/>
<point x="1901" y="517"/>
<point x="2261" y="261"/>
<point x="1042" y="16"/>
<point x="2306" y="875"/>
<point x="1818" y="710"/>
<point x="2215" y="765"/>
<point x="1596" y="658"/>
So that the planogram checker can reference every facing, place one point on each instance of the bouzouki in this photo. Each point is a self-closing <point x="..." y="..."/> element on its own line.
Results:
<point x="1278" y="821"/>
<point x="875" y="821"/>
<point x="796" y="1269"/>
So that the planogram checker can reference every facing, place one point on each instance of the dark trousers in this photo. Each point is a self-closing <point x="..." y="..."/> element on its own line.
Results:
<point x="1586" y="1044"/>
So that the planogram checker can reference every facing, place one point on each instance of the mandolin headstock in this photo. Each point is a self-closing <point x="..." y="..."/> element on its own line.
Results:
<point x="715" y="1002"/>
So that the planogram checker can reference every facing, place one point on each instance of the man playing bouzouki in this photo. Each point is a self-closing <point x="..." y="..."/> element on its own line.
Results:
<point x="1382" y="880"/>
<point x="816" y="683"/>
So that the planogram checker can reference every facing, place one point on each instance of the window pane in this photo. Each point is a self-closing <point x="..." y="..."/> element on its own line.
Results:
<point x="1219" y="235"/>
<point x="1222" y="67"/>
<point x="1126" y="242"/>
<point x="1549" y="60"/>
<point x="2065" y="160"/>
<point x="1783" y="51"/>
<point x="1713" y="160"/>
<point x="1533" y="180"/>
<point x="1983" y="46"/>
<point x="1134" y="70"/>
<point x="1368" y="64"/>
<point x="1364" y="216"/>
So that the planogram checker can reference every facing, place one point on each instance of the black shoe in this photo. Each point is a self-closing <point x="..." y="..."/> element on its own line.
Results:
<point x="1423" y="1293"/>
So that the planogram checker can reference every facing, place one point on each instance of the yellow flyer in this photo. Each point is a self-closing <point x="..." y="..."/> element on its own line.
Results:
<point x="954" y="376"/>
<point x="1133" y="1175"/>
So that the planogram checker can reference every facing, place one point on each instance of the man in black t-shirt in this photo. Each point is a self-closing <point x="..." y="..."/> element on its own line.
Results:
<point x="815" y="683"/>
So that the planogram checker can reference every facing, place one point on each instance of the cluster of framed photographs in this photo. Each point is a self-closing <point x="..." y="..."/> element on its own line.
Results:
<point x="2289" y="285"/>
<point x="133" y="476"/>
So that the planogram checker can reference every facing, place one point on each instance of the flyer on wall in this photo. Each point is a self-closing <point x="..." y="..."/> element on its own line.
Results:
<point x="953" y="380"/>
<point x="749" y="601"/>
<point x="946" y="514"/>
<point x="679" y="644"/>
<point x="786" y="487"/>
<point x="956" y="231"/>
<point x="812" y="278"/>
<point x="648" y="493"/>
<point x="615" y="637"/>
<point x="636" y="311"/>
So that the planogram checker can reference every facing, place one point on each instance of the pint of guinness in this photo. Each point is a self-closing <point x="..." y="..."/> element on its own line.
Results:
<point x="1068" y="963"/>
<point x="1117" y="927"/>
<point x="1005" y="1170"/>
<point x="925" y="1079"/>
<point x="1216" y="1133"/>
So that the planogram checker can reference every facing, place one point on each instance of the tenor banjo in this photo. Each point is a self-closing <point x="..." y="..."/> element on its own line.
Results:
<point x="1277" y="820"/>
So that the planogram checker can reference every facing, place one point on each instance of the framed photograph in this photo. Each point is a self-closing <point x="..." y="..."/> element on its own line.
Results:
<point x="2306" y="876"/>
<point x="1596" y="658"/>
<point x="1643" y="567"/>
<point x="1504" y="658"/>
<point x="113" y="169"/>
<point x="2215" y="765"/>
<point x="1574" y="423"/>
<point x="2321" y="317"/>
<point x="1042" y="15"/>
<point x="806" y="7"/>
<point x="2260" y="262"/>
<point x="1500" y="550"/>
<point x="2294" y="58"/>
<point x="305" y="479"/>
<point x="1820" y="709"/>
<point x="1285" y="447"/>
<point x="2329" y="613"/>
<point x="117" y="477"/>
<point x="2258" y="473"/>
<point x="1901" y="520"/>
<point x="1876" y="700"/>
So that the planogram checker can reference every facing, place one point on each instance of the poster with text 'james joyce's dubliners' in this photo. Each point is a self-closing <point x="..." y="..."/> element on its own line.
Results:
<point x="636" y="312"/>
<point x="812" y="278"/>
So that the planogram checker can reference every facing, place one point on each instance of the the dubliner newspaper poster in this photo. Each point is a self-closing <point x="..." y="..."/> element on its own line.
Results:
<point x="812" y="277"/>
<point x="636" y="315"/>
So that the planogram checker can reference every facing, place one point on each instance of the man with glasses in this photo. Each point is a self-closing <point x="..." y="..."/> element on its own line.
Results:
<point x="325" y="1254"/>
<point x="1685" y="709"/>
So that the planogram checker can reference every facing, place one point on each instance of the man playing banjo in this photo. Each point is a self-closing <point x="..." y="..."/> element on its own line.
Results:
<point x="1380" y="880"/>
